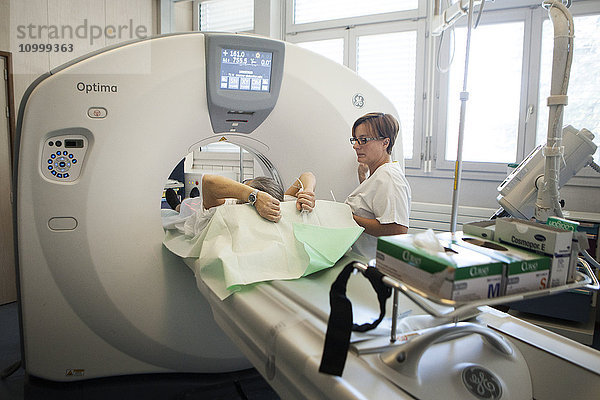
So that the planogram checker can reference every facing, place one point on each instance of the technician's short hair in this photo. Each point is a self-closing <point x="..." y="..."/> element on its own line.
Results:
<point x="266" y="184"/>
<point x="380" y="125"/>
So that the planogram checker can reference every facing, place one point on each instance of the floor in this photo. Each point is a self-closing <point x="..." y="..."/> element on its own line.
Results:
<point x="247" y="384"/>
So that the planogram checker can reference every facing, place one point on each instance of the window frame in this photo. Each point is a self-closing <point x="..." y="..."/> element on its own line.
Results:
<point x="291" y="27"/>
<point x="196" y="24"/>
<point x="311" y="36"/>
<point x="420" y="27"/>
<point x="491" y="170"/>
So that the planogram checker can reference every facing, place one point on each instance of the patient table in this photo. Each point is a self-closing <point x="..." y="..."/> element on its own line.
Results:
<point x="280" y="328"/>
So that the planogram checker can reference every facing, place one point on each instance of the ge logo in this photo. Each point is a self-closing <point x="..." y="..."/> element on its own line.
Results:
<point x="358" y="100"/>
<point x="481" y="383"/>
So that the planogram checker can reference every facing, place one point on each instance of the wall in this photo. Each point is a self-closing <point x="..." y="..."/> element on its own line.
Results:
<point x="67" y="13"/>
<point x="4" y="24"/>
<point x="480" y="193"/>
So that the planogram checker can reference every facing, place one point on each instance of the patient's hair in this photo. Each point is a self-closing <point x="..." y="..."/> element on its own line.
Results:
<point x="268" y="185"/>
<point x="380" y="125"/>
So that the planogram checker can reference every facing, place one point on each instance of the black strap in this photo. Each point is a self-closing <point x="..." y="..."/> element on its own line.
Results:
<point x="383" y="293"/>
<point x="340" y="326"/>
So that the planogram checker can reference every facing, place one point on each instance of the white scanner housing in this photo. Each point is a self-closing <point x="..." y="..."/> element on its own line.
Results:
<point x="99" y="294"/>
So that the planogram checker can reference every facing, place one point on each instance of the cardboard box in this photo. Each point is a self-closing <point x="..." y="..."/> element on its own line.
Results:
<point x="542" y="239"/>
<point x="578" y="244"/>
<point x="457" y="274"/>
<point x="525" y="271"/>
<point x="562" y="223"/>
<point x="483" y="229"/>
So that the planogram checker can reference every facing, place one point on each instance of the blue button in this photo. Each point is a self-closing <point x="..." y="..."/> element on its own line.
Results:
<point x="50" y="167"/>
<point x="65" y="175"/>
<point x="58" y="153"/>
<point x="52" y="155"/>
<point x="70" y="155"/>
<point x="53" y="172"/>
<point x="65" y="153"/>
<point x="74" y="161"/>
<point x="59" y="175"/>
<point x="49" y="161"/>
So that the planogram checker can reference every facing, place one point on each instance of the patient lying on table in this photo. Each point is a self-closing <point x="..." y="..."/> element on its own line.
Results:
<point x="228" y="247"/>
<point x="264" y="193"/>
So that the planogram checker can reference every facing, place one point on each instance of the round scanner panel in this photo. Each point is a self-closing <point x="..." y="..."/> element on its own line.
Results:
<point x="63" y="157"/>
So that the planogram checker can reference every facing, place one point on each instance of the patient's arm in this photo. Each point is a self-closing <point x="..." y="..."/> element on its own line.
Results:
<point x="376" y="228"/>
<point x="216" y="188"/>
<point x="304" y="191"/>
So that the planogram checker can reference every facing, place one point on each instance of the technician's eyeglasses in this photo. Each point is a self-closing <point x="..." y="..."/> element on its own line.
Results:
<point x="362" y="140"/>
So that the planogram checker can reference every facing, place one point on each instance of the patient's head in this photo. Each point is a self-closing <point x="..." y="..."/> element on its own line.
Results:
<point x="268" y="185"/>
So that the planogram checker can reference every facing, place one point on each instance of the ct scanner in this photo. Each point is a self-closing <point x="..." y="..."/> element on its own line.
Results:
<point x="100" y="296"/>
<point x="95" y="279"/>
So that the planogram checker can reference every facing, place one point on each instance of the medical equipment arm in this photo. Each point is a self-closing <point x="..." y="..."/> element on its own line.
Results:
<point x="517" y="193"/>
<point x="450" y="15"/>
<point x="567" y="150"/>
<point x="547" y="203"/>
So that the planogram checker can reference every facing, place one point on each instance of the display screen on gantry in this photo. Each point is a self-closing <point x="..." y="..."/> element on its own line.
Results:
<point x="246" y="70"/>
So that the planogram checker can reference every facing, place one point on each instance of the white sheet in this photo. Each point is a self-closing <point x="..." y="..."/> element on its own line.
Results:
<point x="238" y="247"/>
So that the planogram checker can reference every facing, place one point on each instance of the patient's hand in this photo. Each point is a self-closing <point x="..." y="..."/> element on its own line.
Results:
<point x="306" y="201"/>
<point x="267" y="206"/>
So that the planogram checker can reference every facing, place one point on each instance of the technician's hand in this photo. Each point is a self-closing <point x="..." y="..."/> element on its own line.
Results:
<point x="306" y="201"/>
<point x="363" y="170"/>
<point x="267" y="206"/>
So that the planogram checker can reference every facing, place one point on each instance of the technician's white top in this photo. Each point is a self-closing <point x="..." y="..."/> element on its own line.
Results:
<point x="384" y="196"/>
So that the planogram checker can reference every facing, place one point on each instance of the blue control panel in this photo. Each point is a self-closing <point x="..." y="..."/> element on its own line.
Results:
<point x="62" y="157"/>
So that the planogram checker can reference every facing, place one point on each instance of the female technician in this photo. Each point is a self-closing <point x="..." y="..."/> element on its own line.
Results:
<point x="381" y="203"/>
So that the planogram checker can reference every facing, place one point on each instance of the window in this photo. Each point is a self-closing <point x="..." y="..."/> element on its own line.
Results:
<point x="388" y="62"/>
<point x="330" y="48"/>
<point x="388" y="56"/>
<point x="508" y="81"/>
<point x="583" y="110"/>
<point x="494" y="86"/>
<point x="306" y="11"/>
<point x="227" y="15"/>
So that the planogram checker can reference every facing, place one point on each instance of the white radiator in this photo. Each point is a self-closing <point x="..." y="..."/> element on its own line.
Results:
<point x="437" y="216"/>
